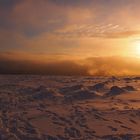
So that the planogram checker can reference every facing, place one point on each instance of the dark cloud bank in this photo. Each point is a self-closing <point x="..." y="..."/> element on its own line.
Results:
<point x="30" y="67"/>
<point x="99" y="66"/>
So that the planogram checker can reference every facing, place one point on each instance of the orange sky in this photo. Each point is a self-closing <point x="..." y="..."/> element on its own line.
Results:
<point x="60" y="30"/>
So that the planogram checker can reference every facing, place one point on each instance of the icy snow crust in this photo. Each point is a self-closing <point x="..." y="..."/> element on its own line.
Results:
<point x="69" y="108"/>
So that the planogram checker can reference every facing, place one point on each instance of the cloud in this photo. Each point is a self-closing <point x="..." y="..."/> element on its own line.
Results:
<point x="83" y="3"/>
<point x="28" y="66"/>
<point x="93" y="31"/>
<point x="8" y="4"/>
<point x="108" y="66"/>
<point x="61" y="26"/>
<point x="123" y="34"/>
<point x="97" y="66"/>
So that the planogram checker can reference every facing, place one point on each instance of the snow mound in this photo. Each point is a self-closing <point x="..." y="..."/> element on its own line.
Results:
<point x="71" y="89"/>
<point x="81" y="95"/>
<point x="99" y="87"/>
<point x="115" y="90"/>
<point x="129" y="88"/>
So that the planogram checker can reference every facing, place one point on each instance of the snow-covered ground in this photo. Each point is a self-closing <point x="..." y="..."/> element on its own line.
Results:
<point x="69" y="108"/>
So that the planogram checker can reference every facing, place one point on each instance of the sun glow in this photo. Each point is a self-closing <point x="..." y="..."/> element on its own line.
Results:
<point x="137" y="47"/>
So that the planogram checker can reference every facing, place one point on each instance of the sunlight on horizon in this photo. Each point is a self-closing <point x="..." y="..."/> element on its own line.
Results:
<point x="136" y="45"/>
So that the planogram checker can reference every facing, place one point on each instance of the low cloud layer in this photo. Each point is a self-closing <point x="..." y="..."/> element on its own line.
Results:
<point x="99" y="66"/>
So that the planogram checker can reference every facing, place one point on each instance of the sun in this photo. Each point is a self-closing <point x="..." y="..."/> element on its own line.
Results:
<point x="137" y="47"/>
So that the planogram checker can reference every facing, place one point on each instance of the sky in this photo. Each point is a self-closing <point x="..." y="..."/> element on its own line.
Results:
<point x="70" y="37"/>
